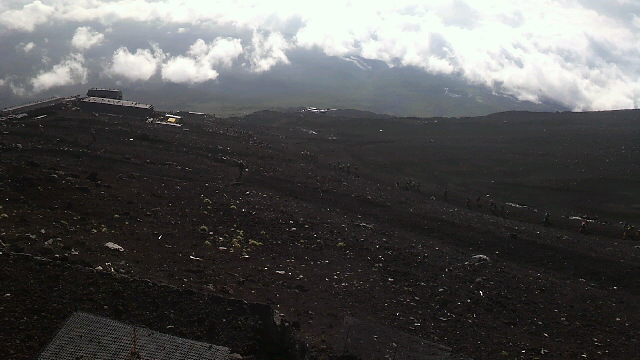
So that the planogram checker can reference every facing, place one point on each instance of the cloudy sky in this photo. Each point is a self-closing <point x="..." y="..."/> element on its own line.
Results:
<point x="583" y="55"/>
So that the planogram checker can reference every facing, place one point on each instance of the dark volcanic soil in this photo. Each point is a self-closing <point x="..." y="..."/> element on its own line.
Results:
<point x="325" y="244"/>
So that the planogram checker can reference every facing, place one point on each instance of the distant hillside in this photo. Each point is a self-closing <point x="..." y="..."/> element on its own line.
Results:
<point x="314" y="80"/>
<point x="336" y="83"/>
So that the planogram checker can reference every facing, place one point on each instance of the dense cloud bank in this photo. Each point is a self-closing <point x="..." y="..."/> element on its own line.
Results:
<point x="582" y="55"/>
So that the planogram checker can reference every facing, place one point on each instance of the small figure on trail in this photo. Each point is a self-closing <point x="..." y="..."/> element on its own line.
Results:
<point x="546" y="221"/>
<point x="410" y="184"/>
<point x="93" y="137"/>
<point x="134" y="355"/>
<point x="628" y="231"/>
<point x="468" y="203"/>
<point x="241" y="168"/>
<point x="446" y="195"/>
<point x="583" y="227"/>
<point x="502" y="211"/>
<point x="493" y="207"/>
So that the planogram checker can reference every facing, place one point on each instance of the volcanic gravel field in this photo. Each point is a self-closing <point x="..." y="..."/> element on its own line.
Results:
<point x="355" y="227"/>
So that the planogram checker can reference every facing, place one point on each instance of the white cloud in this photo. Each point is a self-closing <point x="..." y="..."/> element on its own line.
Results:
<point x="183" y="69"/>
<point x="201" y="60"/>
<point x="27" y="18"/>
<point x="358" y="62"/>
<point x="141" y="65"/>
<point x="197" y="65"/>
<point x="268" y="51"/>
<point x="68" y="72"/>
<point x="220" y="52"/>
<point x="85" y="38"/>
<point x="18" y="90"/>
<point x="240" y="14"/>
<point x="28" y="47"/>
<point x="580" y="53"/>
<point x="535" y="51"/>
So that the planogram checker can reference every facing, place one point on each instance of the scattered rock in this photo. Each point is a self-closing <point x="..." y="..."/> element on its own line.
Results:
<point x="114" y="246"/>
<point x="480" y="259"/>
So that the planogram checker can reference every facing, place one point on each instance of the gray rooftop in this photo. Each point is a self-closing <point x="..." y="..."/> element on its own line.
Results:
<point x="34" y="105"/>
<point x="88" y="337"/>
<point x="98" y="100"/>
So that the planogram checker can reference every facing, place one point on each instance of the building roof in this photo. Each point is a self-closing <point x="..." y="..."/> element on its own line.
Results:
<point x="105" y="89"/>
<point x="35" y="104"/>
<point x="86" y="336"/>
<point x="97" y="100"/>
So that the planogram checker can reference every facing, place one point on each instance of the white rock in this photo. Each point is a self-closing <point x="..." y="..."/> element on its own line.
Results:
<point x="479" y="259"/>
<point x="114" y="246"/>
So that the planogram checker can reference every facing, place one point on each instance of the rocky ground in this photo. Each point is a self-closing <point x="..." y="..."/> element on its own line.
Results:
<point x="320" y="222"/>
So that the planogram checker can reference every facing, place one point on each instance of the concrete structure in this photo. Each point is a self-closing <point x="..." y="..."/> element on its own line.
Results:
<point x="174" y="119"/>
<point x="105" y="93"/>
<point x="115" y="107"/>
<point x="86" y="336"/>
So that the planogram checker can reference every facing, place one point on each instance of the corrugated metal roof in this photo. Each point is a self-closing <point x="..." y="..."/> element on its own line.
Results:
<point x="97" y="100"/>
<point x="89" y="337"/>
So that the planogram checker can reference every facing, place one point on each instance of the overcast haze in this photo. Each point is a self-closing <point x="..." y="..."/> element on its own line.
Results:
<point x="581" y="55"/>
